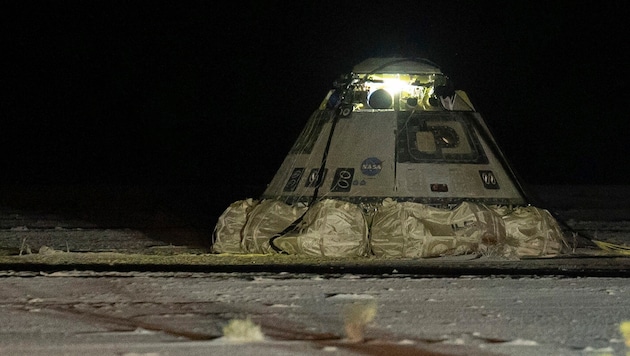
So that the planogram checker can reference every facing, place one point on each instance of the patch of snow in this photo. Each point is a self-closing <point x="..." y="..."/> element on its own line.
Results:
<point x="522" y="342"/>
<point x="351" y="296"/>
<point x="456" y="341"/>
<point x="143" y="331"/>
<point x="603" y="350"/>
<point x="284" y="306"/>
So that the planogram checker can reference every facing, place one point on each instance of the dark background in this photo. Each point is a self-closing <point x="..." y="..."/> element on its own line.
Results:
<point x="209" y="96"/>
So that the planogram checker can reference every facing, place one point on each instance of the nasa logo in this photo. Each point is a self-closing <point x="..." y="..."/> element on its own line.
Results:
<point x="371" y="166"/>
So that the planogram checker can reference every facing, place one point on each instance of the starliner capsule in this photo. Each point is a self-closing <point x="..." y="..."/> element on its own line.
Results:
<point x="394" y="163"/>
<point x="395" y="128"/>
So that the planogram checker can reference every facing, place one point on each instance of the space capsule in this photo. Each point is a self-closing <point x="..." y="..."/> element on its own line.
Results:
<point x="396" y="128"/>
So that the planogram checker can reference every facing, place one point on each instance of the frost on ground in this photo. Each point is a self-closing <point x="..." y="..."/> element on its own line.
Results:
<point x="134" y="226"/>
<point x="231" y="313"/>
<point x="91" y="312"/>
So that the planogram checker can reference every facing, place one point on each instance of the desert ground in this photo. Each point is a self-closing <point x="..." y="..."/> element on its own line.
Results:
<point x="89" y="271"/>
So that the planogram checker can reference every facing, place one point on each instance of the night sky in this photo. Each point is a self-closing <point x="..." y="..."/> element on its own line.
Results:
<point x="209" y="94"/>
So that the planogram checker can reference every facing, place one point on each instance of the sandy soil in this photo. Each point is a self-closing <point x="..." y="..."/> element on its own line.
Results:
<point x="140" y="280"/>
<point x="118" y="226"/>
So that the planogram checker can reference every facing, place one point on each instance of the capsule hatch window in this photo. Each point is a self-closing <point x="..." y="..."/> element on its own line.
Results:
<point x="438" y="137"/>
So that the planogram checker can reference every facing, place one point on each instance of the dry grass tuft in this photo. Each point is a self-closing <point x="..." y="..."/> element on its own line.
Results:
<point x="624" y="327"/>
<point x="356" y="318"/>
<point x="240" y="330"/>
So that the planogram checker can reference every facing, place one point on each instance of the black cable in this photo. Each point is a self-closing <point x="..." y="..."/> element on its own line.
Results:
<point x="320" y="178"/>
